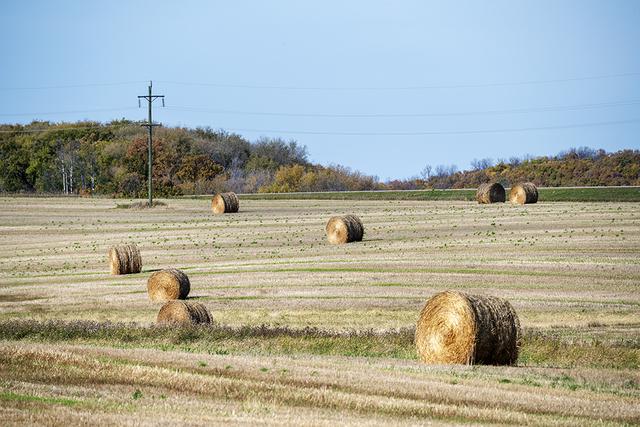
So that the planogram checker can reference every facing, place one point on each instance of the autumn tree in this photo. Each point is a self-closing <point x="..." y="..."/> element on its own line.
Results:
<point x="198" y="167"/>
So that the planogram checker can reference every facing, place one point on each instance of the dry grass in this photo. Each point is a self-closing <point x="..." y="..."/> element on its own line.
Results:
<point x="344" y="229"/>
<point x="490" y="193"/>
<point x="132" y="382"/>
<point x="168" y="284"/>
<point x="225" y="203"/>
<point x="570" y="270"/>
<point x="183" y="313"/>
<point x="523" y="193"/>
<point x="140" y="205"/>
<point x="125" y="259"/>
<point x="459" y="328"/>
<point x="604" y="347"/>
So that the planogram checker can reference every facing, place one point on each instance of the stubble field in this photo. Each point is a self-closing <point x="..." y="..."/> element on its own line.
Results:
<point x="309" y="333"/>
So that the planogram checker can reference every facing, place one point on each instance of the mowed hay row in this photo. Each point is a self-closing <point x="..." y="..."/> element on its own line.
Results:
<point x="183" y="313"/>
<point x="458" y="328"/>
<point x="169" y="284"/>
<point x="344" y="229"/>
<point x="523" y="193"/>
<point x="490" y="193"/>
<point x="125" y="259"/>
<point x="225" y="203"/>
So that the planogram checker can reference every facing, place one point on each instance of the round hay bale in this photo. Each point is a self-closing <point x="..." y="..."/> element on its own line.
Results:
<point x="490" y="193"/>
<point x="225" y="203"/>
<point x="344" y="229"/>
<point x="125" y="259"/>
<point x="166" y="285"/>
<point x="183" y="313"/>
<point x="523" y="193"/>
<point x="458" y="328"/>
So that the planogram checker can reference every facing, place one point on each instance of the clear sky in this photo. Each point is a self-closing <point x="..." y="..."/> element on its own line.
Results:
<point x="384" y="87"/>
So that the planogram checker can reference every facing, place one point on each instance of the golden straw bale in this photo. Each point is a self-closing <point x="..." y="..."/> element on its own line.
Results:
<point x="523" y="193"/>
<point x="125" y="259"/>
<point x="225" y="203"/>
<point x="344" y="229"/>
<point x="490" y="193"/>
<point x="183" y="313"/>
<point x="459" y="328"/>
<point x="170" y="284"/>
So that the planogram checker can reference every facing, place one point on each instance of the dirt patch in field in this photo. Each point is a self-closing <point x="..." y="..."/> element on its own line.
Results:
<point x="19" y="297"/>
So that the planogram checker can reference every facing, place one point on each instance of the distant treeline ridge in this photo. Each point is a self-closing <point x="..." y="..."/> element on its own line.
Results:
<point x="110" y="159"/>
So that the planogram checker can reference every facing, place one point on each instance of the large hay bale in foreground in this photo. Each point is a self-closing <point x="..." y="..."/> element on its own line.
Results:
<point x="125" y="259"/>
<point x="183" y="313"/>
<point x="225" y="203"/>
<point x="523" y="193"/>
<point x="490" y="193"/>
<point x="458" y="328"/>
<point x="166" y="285"/>
<point x="344" y="229"/>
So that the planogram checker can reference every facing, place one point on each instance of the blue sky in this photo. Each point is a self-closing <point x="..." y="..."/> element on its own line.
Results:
<point x="383" y="87"/>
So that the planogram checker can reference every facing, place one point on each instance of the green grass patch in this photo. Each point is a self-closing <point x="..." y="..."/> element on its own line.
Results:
<point x="595" y="194"/>
<point x="434" y="270"/>
<point x="549" y="350"/>
<point x="217" y="339"/>
<point x="539" y="348"/>
<point x="139" y="205"/>
<point x="9" y="396"/>
<point x="548" y="194"/>
<point x="368" y="195"/>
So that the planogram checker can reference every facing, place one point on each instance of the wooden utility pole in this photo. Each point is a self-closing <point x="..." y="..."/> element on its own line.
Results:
<point x="150" y="98"/>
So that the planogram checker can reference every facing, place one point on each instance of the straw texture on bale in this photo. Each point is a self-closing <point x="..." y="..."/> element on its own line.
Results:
<point x="165" y="285"/>
<point x="183" y="313"/>
<point x="225" y="203"/>
<point x="458" y="328"/>
<point x="490" y="193"/>
<point x="523" y="193"/>
<point x="125" y="259"/>
<point x="344" y="229"/>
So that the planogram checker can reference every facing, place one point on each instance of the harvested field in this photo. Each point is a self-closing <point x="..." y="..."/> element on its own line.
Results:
<point x="336" y="345"/>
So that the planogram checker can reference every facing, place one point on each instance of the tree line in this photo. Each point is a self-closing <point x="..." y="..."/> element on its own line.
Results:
<point x="111" y="159"/>
<point x="574" y="167"/>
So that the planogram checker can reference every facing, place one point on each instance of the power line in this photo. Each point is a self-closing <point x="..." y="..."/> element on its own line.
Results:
<point x="392" y="115"/>
<point x="150" y="125"/>
<point x="73" y="86"/>
<point x="383" y="88"/>
<point x="631" y="102"/>
<point x="418" y="133"/>
<point x="51" y="113"/>
<point x="455" y="132"/>
<point x="52" y="129"/>
<point x="339" y="88"/>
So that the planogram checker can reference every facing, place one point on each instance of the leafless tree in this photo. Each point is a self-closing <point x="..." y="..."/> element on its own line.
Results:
<point x="481" y="164"/>
<point x="444" y="170"/>
<point x="67" y="156"/>
<point x="425" y="173"/>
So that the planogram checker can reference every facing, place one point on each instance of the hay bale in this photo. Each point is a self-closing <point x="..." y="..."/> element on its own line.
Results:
<point x="490" y="193"/>
<point x="183" y="313"/>
<point x="170" y="284"/>
<point x="458" y="328"/>
<point x="525" y="192"/>
<point x="344" y="229"/>
<point x="225" y="203"/>
<point x="125" y="259"/>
